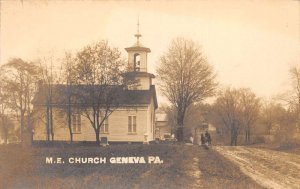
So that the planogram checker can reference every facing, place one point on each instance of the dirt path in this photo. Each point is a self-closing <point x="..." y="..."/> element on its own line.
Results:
<point x="193" y="167"/>
<point x="271" y="169"/>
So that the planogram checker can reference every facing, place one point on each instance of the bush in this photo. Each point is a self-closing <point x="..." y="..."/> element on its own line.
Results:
<point x="258" y="139"/>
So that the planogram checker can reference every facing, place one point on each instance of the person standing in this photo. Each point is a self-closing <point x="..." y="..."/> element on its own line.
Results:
<point x="202" y="139"/>
<point x="207" y="137"/>
<point x="192" y="139"/>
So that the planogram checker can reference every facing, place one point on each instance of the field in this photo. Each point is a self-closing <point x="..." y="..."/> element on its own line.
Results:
<point x="184" y="166"/>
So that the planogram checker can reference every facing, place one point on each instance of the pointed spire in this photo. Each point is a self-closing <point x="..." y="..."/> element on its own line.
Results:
<point x="138" y="35"/>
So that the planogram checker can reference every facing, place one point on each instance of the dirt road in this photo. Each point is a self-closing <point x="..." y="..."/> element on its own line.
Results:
<point x="193" y="167"/>
<point x="271" y="169"/>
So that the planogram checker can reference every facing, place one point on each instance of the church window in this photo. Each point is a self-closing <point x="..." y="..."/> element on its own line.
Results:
<point x="131" y="124"/>
<point x="105" y="126"/>
<point x="137" y="62"/>
<point x="76" y="123"/>
<point x="151" y="125"/>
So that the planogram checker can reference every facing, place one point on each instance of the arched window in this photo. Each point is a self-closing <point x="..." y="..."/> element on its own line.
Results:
<point x="137" y="62"/>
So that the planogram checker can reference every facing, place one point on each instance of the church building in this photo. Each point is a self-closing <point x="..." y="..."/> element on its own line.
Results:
<point x="133" y="121"/>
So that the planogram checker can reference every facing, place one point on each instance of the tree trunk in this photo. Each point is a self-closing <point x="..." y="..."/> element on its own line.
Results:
<point x="21" y="112"/>
<point x="29" y="126"/>
<point x="233" y="135"/>
<point x="6" y="138"/>
<point x="247" y="135"/>
<point x="5" y="130"/>
<point x="48" y="123"/>
<point x="70" y="120"/>
<point x="233" y="139"/>
<point x="97" y="132"/>
<point x="180" y="120"/>
<point x="51" y="123"/>
<point x="22" y="123"/>
<point x="179" y="134"/>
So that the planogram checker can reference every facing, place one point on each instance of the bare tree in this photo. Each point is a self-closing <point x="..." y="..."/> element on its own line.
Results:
<point x="196" y="114"/>
<point x="185" y="77"/>
<point x="5" y="123"/>
<point x="228" y="109"/>
<point x="291" y="100"/>
<point x="99" y="70"/>
<point x="250" y="108"/>
<point x="56" y="96"/>
<point x="46" y="83"/>
<point x="270" y="115"/>
<point x="21" y="78"/>
<point x="295" y="98"/>
<point x="6" y="127"/>
<point x="237" y="109"/>
<point x="69" y="74"/>
<point x="295" y="75"/>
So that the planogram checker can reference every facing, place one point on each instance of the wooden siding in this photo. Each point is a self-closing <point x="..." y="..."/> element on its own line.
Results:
<point x="118" y="126"/>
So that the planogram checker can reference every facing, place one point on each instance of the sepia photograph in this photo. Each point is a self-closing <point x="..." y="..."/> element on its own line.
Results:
<point x="149" y="94"/>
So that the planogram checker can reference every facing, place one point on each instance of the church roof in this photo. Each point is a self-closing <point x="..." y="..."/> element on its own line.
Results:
<point x="137" y="73"/>
<point x="124" y="97"/>
<point x="137" y="48"/>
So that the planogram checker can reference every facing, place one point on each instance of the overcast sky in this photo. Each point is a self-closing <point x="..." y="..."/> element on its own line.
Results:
<point x="249" y="43"/>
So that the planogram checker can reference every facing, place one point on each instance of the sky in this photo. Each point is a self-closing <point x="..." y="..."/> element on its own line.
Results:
<point x="249" y="43"/>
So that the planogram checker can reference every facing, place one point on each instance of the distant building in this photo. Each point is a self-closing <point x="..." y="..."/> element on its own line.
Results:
<point x="161" y="125"/>
<point x="11" y="128"/>
<point x="132" y="121"/>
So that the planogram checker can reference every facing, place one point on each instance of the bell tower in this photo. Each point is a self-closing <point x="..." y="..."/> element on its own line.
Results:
<point x="137" y="62"/>
<point x="137" y="54"/>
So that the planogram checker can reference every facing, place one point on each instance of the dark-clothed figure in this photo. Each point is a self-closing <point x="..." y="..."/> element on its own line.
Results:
<point x="202" y="139"/>
<point x="207" y="137"/>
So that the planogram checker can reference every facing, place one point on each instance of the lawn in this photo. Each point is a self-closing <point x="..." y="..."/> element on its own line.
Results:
<point x="183" y="167"/>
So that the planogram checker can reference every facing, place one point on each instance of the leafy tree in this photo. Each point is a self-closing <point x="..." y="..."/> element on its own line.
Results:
<point x="185" y="77"/>
<point x="98" y="73"/>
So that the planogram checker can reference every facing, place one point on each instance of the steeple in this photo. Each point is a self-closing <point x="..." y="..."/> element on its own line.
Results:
<point x="138" y="35"/>
<point x="137" y="54"/>
<point x="137" y="61"/>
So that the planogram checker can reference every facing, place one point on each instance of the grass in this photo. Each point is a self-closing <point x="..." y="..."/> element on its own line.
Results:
<point x="26" y="168"/>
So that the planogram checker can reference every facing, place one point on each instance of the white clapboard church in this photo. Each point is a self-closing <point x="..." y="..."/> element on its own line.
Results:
<point x="134" y="121"/>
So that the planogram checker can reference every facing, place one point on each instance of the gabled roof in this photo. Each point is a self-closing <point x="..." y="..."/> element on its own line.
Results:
<point x="124" y="97"/>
